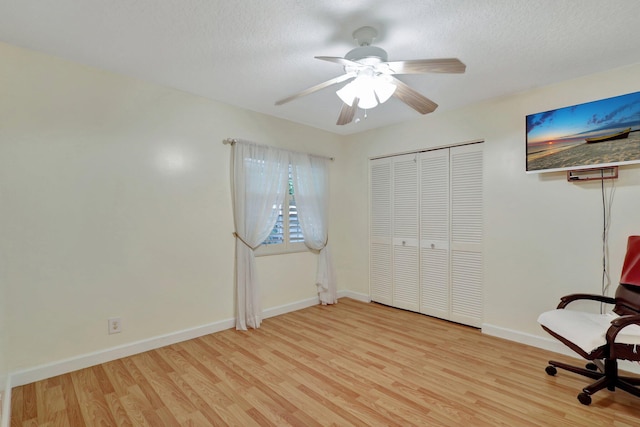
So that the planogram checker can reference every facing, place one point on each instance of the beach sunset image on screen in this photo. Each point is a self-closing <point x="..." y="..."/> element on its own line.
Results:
<point x="599" y="133"/>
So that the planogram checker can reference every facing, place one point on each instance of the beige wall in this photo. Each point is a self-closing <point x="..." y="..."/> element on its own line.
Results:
<point x="4" y="333"/>
<point x="542" y="234"/>
<point x="115" y="201"/>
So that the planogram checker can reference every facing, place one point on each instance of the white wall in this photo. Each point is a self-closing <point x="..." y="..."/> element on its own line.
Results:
<point x="115" y="201"/>
<point x="543" y="234"/>
<point x="4" y="332"/>
<point x="4" y="369"/>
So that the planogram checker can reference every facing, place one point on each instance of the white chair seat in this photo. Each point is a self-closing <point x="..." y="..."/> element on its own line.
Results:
<point x="586" y="330"/>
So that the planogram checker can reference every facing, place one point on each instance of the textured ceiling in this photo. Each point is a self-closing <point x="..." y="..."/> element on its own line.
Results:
<point x="250" y="53"/>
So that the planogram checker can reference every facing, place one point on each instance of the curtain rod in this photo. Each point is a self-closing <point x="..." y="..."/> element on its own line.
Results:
<point x="232" y="141"/>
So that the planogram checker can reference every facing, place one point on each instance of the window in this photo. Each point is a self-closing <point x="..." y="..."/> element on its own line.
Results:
<point x="286" y="236"/>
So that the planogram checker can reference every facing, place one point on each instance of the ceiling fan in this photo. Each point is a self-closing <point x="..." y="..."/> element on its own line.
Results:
<point x="373" y="80"/>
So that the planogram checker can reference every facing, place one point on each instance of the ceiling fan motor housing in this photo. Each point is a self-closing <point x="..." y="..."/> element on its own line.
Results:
<point x="369" y="55"/>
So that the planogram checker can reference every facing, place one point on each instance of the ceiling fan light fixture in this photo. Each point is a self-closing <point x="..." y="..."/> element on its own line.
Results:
<point x="368" y="99"/>
<point x="370" y="90"/>
<point x="361" y="88"/>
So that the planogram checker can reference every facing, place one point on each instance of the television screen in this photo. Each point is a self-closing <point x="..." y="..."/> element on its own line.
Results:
<point x="595" y="134"/>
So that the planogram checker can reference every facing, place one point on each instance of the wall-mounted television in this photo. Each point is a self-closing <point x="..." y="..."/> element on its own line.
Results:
<point x="595" y="134"/>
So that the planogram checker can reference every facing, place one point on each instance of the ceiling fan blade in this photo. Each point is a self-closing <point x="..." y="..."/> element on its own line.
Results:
<point x="338" y="60"/>
<point x="347" y="112"/>
<point x="317" y="87"/>
<point x="419" y="66"/>
<point x="412" y="98"/>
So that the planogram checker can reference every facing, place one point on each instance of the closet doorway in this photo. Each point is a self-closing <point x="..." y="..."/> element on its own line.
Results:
<point x="426" y="232"/>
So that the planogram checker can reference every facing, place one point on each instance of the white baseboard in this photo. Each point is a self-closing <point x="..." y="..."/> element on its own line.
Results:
<point x="354" y="295"/>
<point x="288" y="308"/>
<point x="528" y="339"/>
<point x="5" y="418"/>
<point x="547" y="343"/>
<point x="82" y="361"/>
<point x="37" y="373"/>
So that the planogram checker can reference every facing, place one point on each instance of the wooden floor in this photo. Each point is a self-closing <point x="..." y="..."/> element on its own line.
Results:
<point x="349" y="364"/>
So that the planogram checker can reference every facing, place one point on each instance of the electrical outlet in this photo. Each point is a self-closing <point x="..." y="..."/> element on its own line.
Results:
<point x="115" y="325"/>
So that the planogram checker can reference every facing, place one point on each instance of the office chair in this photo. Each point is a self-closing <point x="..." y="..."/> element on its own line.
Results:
<point x="605" y="338"/>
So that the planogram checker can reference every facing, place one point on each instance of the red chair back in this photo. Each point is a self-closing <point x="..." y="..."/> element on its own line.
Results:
<point x="631" y="266"/>
<point x="628" y="293"/>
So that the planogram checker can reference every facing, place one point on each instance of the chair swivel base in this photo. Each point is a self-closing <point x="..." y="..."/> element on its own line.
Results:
<point x="605" y="374"/>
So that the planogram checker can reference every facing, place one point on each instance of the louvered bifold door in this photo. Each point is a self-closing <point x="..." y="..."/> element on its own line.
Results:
<point x="466" y="234"/>
<point x="434" y="233"/>
<point x="405" y="232"/>
<point x="380" y="253"/>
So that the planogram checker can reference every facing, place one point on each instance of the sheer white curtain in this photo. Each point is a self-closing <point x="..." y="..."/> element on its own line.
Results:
<point x="311" y="191"/>
<point x="259" y="184"/>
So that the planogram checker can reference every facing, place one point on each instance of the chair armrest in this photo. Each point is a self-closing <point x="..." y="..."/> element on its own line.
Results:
<point x="617" y="325"/>
<point x="622" y="321"/>
<point x="565" y="300"/>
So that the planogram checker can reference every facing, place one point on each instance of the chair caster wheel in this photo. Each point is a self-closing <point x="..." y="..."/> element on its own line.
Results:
<point x="584" y="398"/>
<point x="591" y="366"/>
<point x="551" y="370"/>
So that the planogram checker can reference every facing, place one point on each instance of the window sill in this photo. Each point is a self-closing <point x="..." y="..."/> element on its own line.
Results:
<point x="280" y="249"/>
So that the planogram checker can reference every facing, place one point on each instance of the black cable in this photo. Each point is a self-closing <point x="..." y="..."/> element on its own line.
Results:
<point x="604" y="231"/>
<point x="607" y="203"/>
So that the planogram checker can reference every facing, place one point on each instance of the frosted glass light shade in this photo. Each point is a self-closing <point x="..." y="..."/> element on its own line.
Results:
<point x="369" y="89"/>
<point x="348" y="93"/>
<point x="383" y="88"/>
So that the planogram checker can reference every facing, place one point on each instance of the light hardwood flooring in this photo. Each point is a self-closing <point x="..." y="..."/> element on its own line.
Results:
<point x="349" y="364"/>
